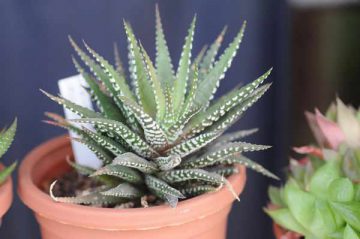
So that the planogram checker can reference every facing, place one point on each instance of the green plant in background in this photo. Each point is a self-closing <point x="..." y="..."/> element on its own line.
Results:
<point x="163" y="135"/>
<point x="321" y="199"/>
<point x="6" y="138"/>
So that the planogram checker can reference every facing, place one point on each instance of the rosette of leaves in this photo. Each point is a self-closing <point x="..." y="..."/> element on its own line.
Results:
<point x="321" y="199"/>
<point x="6" y="139"/>
<point x="162" y="134"/>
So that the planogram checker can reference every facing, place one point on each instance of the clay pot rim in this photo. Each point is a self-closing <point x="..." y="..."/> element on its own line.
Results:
<point x="5" y="194"/>
<point x="117" y="219"/>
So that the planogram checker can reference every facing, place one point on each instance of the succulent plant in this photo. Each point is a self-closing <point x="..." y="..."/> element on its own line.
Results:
<point x="6" y="139"/>
<point x="321" y="199"/>
<point x="162" y="135"/>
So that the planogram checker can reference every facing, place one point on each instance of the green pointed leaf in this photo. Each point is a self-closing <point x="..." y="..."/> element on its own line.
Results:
<point x="163" y="190"/>
<point x="224" y="105"/>
<point x="168" y="162"/>
<point x="156" y="87"/>
<point x="341" y="190"/>
<point x="5" y="173"/>
<point x="181" y="175"/>
<point x="211" y="82"/>
<point x="276" y="196"/>
<point x="349" y="211"/>
<point x="118" y="81"/>
<point x="7" y="137"/>
<point x="182" y="75"/>
<point x="190" y="97"/>
<point x="99" y="151"/>
<point x="196" y="190"/>
<point x="234" y="114"/>
<point x="104" y="102"/>
<point x="124" y="190"/>
<point x="222" y="153"/>
<point x="300" y="203"/>
<point x="153" y="132"/>
<point x="192" y="145"/>
<point x="125" y="173"/>
<point x="285" y="219"/>
<point x="81" y="111"/>
<point x="350" y="233"/>
<point x="242" y="160"/>
<point x="164" y="67"/>
<point x="224" y="171"/>
<point x="138" y="74"/>
<point x="169" y="119"/>
<point x="132" y="139"/>
<point x="133" y="161"/>
<point x="209" y="58"/>
<point x="106" y="142"/>
<point x="323" y="177"/>
<point x="93" y="198"/>
<point x="233" y="136"/>
<point x="118" y="63"/>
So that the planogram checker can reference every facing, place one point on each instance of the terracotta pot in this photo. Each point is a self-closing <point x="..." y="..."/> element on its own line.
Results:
<point x="6" y="195"/>
<point x="203" y="217"/>
<point x="281" y="233"/>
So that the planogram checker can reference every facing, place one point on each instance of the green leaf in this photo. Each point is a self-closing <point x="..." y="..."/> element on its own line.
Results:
<point x="341" y="190"/>
<point x="349" y="211"/>
<point x="164" y="67"/>
<point x="124" y="190"/>
<point x="156" y="87"/>
<point x="285" y="218"/>
<point x="163" y="190"/>
<point x="213" y="157"/>
<point x="153" y="132"/>
<point x="190" y="97"/>
<point x="138" y="74"/>
<point x="226" y="121"/>
<point x="196" y="190"/>
<point x="300" y="203"/>
<point x="209" y="85"/>
<point x="323" y="177"/>
<point x="104" y="102"/>
<point x="118" y="81"/>
<point x="133" y="161"/>
<point x="106" y="142"/>
<point x="224" y="171"/>
<point x="350" y="233"/>
<point x="181" y="175"/>
<point x="209" y="58"/>
<point x="99" y="151"/>
<point x="125" y="173"/>
<point x="132" y="139"/>
<point x="224" y="105"/>
<point x="276" y="196"/>
<point x="118" y="63"/>
<point x="7" y="137"/>
<point x="168" y="162"/>
<point x="182" y="75"/>
<point x="93" y="198"/>
<point x="81" y="111"/>
<point x="236" y="135"/>
<point x="192" y="145"/>
<point x="242" y="160"/>
<point x="4" y="174"/>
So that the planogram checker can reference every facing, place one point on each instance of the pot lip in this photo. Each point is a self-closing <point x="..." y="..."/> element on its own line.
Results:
<point x="6" y="194"/>
<point x="116" y="219"/>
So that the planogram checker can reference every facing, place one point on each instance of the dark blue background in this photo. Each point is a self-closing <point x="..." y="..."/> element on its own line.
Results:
<point x="34" y="53"/>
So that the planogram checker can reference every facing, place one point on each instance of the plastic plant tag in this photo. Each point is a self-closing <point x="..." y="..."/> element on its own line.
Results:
<point x="72" y="88"/>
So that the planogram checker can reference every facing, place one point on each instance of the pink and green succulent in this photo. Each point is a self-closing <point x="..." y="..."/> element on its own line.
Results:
<point x="321" y="198"/>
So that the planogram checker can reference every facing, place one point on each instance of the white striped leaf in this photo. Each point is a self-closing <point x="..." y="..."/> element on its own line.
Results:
<point x="132" y="160"/>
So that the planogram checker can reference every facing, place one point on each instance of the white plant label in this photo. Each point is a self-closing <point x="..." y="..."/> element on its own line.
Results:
<point x="72" y="88"/>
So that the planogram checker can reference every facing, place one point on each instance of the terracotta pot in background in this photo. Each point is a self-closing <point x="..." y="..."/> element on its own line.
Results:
<point x="281" y="233"/>
<point x="6" y="195"/>
<point x="203" y="217"/>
